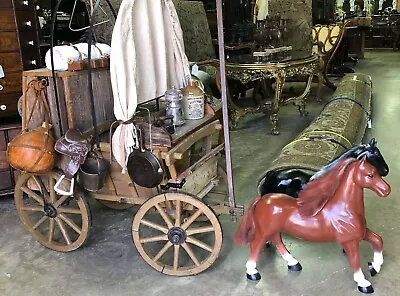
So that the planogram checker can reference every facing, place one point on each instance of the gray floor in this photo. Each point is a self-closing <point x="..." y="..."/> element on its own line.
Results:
<point x="110" y="265"/>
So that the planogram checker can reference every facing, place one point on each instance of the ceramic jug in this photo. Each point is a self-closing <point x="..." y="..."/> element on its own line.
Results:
<point x="193" y="101"/>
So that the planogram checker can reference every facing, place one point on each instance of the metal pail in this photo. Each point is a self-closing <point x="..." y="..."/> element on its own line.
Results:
<point x="92" y="174"/>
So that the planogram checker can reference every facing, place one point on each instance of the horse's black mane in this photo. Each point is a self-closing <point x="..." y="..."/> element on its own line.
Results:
<point x="291" y="181"/>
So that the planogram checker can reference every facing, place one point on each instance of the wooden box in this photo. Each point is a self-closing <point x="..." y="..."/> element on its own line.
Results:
<point x="73" y="107"/>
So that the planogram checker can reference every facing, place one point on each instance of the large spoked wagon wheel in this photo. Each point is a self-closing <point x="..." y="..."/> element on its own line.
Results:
<point x="169" y="236"/>
<point x="58" y="222"/>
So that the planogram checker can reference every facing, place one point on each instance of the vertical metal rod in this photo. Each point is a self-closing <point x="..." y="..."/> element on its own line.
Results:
<point x="231" y="196"/>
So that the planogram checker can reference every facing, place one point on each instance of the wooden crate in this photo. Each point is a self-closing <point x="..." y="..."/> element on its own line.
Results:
<point x="73" y="108"/>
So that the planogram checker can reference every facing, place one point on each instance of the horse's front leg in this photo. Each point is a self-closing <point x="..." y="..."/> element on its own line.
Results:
<point x="352" y="252"/>
<point x="377" y="244"/>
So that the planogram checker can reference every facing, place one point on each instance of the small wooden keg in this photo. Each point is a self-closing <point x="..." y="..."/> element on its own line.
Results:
<point x="33" y="151"/>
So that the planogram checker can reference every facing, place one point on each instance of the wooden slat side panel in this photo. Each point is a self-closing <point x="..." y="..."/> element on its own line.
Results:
<point x="78" y="101"/>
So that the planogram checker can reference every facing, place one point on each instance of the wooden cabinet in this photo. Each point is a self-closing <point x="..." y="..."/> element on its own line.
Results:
<point x="19" y="50"/>
<point x="8" y="175"/>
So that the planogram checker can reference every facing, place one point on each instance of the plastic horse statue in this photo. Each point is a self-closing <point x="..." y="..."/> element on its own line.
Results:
<point x="291" y="181"/>
<point x="329" y="209"/>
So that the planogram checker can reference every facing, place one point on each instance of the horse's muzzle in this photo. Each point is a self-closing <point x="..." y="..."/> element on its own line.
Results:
<point x="383" y="189"/>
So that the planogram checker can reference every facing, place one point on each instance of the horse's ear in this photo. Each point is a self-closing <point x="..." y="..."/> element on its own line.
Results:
<point x="372" y="142"/>
<point x="363" y="160"/>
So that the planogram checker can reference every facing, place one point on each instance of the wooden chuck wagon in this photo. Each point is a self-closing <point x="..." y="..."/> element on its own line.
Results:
<point x="176" y="228"/>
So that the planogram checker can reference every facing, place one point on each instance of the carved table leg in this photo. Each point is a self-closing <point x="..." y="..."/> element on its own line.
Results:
<point x="279" y="83"/>
<point x="321" y="79"/>
<point x="300" y="101"/>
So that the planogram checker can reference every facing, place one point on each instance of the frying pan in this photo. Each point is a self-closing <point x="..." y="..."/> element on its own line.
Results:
<point x="144" y="168"/>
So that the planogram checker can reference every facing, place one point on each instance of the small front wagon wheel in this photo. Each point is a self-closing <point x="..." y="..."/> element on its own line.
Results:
<point x="169" y="236"/>
<point x="58" y="222"/>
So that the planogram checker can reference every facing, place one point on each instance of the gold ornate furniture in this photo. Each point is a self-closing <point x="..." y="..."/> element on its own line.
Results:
<point x="247" y="68"/>
<point x="326" y="40"/>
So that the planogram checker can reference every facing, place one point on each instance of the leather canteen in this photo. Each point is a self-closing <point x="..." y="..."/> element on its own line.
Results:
<point x="33" y="151"/>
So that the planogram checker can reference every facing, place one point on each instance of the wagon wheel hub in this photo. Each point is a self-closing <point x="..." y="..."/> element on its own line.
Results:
<point x="177" y="235"/>
<point x="50" y="211"/>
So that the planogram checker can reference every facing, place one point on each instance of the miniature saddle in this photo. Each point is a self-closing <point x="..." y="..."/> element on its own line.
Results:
<point x="74" y="148"/>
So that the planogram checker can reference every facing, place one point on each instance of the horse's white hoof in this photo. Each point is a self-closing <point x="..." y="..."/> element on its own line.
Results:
<point x="366" y="290"/>
<point x="253" y="277"/>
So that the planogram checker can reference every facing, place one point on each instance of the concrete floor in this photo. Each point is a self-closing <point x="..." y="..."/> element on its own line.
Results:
<point x="110" y="265"/>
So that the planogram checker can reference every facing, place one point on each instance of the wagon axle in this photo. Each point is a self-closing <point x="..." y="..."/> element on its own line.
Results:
<point x="49" y="210"/>
<point x="177" y="235"/>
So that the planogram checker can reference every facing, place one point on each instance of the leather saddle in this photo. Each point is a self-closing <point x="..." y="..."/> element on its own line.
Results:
<point x="74" y="148"/>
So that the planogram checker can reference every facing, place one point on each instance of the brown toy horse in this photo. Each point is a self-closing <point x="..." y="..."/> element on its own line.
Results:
<point x="330" y="208"/>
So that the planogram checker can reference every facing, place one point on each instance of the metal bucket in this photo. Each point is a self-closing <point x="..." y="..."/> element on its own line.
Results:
<point x="92" y="174"/>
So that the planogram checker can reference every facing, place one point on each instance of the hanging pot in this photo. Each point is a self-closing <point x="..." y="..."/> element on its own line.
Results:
<point x="144" y="168"/>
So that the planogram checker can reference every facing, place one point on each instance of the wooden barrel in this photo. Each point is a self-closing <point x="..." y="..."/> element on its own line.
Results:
<point x="33" y="151"/>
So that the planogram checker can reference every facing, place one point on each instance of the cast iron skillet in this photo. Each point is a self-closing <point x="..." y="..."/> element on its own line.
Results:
<point x="144" y="168"/>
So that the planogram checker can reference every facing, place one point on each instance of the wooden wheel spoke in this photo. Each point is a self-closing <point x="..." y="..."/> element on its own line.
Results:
<point x="197" y="230"/>
<point x="176" y="257"/>
<point x="32" y="209"/>
<point x="51" y="231"/>
<point x="68" y="210"/>
<point x="52" y="192"/>
<point x="191" y="219"/>
<point x="162" y="251"/>
<point x="191" y="254"/>
<point x="164" y="215"/>
<point x="153" y="239"/>
<point x="154" y="225"/>
<point x="63" y="231"/>
<point x="70" y="223"/>
<point x="38" y="223"/>
<point x="178" y="213"/>
<point x="41" y="186"/>
<point x="32" y="194"/>
<point x="61" y="200"/>
<point x="198" y="243"/>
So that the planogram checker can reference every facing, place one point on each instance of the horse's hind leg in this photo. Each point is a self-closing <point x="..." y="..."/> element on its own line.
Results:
<point x="353" y="256"/>
<point x="377" y="244"/>
<point x="255" y="248"/>
<point x="293" y="264"/>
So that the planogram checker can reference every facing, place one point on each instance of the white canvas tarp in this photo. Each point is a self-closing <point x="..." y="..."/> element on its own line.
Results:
<point x="147" y="58"/>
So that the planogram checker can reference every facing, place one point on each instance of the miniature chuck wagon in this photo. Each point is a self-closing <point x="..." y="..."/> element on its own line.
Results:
<point x="176" y="228"/>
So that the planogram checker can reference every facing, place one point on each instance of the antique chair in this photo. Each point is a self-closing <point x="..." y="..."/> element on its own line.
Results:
<point x="326" y="41"/>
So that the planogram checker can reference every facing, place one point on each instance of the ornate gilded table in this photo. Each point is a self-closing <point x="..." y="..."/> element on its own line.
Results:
<point x="247" y="68"/>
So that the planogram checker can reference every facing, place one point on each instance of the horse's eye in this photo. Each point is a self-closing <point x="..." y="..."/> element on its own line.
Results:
<point x="370" y="176"/>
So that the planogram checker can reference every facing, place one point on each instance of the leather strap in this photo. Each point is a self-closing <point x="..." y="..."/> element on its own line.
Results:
<point x="39" y="89"/>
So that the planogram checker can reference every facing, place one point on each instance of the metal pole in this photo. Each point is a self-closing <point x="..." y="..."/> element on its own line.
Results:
<point x="231" y="196"/>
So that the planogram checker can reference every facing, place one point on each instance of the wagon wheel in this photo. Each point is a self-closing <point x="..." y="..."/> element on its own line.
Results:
<point x="170" y="239"/>
<point x="115" y="205"/>
<point x="62" y="222"/>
